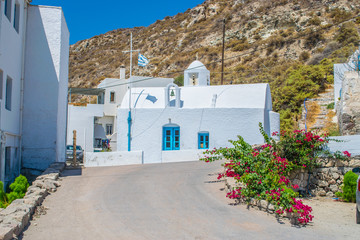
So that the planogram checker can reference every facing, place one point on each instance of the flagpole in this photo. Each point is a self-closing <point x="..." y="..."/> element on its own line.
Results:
<point x="131" y="50"/>
<point x="129" y="86"/>
<point x="129" y="117"/>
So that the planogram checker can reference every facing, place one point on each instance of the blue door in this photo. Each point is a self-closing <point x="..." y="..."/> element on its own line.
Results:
<point x="171" y="138"/>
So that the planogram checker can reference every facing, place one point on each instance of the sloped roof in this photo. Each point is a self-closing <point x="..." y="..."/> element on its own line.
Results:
<point x="86" y="91"/>
<point x="227" y="96"/>
<point x="136" y="81"/>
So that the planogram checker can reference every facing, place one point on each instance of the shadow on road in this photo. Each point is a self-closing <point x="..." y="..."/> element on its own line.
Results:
<point x="72" y="171"/>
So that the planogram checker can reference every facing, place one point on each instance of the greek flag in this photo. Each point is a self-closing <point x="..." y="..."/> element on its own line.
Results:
<point x="142" y="61"/>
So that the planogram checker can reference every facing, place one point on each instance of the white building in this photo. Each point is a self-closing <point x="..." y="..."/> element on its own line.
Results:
<point x="95" y="123"/>
<point x="34" y="52"/>
<point x="177" y="123"/>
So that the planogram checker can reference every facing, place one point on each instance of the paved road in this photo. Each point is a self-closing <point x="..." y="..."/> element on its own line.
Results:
<point x="157" y="201"/>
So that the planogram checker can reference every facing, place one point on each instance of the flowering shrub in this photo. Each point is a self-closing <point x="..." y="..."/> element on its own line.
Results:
<point x="264" y="173"/>
<point x="302" y="148"/>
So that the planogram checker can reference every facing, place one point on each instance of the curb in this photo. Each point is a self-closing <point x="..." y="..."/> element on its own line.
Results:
<point x="17" y="215"/>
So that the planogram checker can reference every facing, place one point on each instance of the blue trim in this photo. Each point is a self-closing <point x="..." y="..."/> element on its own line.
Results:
<point x="203" y="140"/>
<point x="171" y="138"/>
<point x="129" y="131"/>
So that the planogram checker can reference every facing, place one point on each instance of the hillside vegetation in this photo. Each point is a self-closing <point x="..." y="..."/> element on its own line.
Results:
<point x="291" y="44"/>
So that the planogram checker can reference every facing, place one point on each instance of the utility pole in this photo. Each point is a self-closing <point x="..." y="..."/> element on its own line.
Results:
<point x="223" y="53"/>
<point x="74" y="148"/>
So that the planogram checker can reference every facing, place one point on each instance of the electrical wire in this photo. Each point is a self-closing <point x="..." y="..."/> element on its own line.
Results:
<point x="255" y="49"/>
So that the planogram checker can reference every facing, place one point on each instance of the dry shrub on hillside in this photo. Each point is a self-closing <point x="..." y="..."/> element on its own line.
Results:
<point x="339" y="15"/>
<point x="312" y="38"/>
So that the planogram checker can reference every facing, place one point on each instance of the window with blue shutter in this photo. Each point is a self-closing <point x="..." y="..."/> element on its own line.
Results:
<point x="171" y="138"/>
<point x="203" y="140"/>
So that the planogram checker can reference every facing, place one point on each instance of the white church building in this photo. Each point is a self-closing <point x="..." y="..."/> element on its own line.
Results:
<point x="96" y="123"/>
<point x="34" y="59"/>
<point x="173" y="123"/>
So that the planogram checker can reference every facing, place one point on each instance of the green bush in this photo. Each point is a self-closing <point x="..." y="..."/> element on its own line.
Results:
<point x="3" y="202"/>
<point x="347" y="34"/>
<point x="179" y="80"/>
<point x="331" y="105"/>
<point x="18" y="188"/>
<point x="349" y="188"/>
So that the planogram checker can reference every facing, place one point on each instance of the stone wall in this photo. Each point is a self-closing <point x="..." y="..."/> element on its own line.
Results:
<point x="17" y="215"/>
<point x="327" y="179"/>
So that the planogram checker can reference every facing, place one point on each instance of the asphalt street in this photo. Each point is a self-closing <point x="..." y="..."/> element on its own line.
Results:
<point x="155" y="201"/>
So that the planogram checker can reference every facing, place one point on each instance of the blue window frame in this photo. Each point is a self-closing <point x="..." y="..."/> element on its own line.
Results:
<point x="203" y="140"/>
<point x="171" y="138"/>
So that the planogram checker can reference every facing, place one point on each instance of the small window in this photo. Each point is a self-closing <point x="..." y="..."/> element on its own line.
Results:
<point x="1" y="83"/>
<point x="8" y="4"/>
<point x="8" y="93"/>
<point x="17" y="17"/>
<point x="203" y="140"/>
<point x="112" y="97"/>
<point x="171" y="138"/>
<point x="109" y="129"/>
<point x="7" y="162"/>
<point x="97" y="143"/>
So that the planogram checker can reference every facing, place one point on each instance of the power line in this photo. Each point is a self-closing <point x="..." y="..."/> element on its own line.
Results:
<point x="252" y="51"/>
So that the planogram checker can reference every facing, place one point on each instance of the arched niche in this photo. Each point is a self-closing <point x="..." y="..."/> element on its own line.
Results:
<point x="172" y="95"/>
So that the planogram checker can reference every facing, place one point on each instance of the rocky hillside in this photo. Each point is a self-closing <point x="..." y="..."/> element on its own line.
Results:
<point x="264" y="39"/>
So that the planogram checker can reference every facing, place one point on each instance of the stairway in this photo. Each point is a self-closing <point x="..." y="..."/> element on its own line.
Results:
<point x="319" y="117"/>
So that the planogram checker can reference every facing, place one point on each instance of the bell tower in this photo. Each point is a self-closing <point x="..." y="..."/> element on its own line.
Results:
<point x="196" y="75"/>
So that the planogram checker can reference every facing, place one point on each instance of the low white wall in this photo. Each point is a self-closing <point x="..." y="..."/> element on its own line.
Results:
<point x="274" y="124"/>
<point x="348" y="143"/>
<point x="181" y="155"/>
<point x="105" y="159"/>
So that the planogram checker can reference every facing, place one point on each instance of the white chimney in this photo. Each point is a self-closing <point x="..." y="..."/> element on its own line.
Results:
<point x="122" y="72"/>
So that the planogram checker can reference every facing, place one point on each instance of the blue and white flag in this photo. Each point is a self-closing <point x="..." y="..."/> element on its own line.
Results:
<point x="142" y="61"/>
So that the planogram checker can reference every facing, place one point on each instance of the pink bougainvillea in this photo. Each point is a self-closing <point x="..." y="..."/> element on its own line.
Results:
<point x="265" y="172"/>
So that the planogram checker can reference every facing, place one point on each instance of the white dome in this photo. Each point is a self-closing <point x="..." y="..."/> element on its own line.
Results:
<point x="196" y="65"/>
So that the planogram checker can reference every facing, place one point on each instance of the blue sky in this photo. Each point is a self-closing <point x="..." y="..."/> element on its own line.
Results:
<point x="87" y="18"/>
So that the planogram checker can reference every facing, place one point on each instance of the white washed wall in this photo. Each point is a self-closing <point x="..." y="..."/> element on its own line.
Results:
<point x="81" y="119"/>
<point x="120" y="86"/>
<point x="11" y="65"/>
<point x="221" y="123"/>
<point x="349" y="143"/>
<point x="63" y="91"/>
<point x="45" y="87"/>
<point x="11" y="52"/>
<point x="181" y="155"/>
<point x="105" y="159"/>
<point x="274" y="124"/>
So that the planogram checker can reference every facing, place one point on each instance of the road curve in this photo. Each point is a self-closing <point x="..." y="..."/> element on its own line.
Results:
<point x="154" y="201"/>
